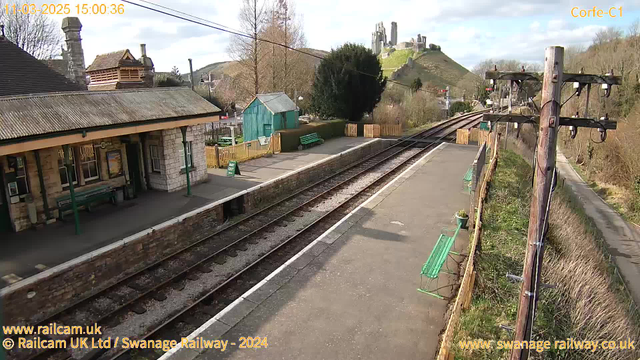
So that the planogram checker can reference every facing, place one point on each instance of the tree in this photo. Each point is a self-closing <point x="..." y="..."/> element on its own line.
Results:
<point x="36" y="33"/>
<point x="348" y="83"/>
<point x="175" y="72"/>
<point x="416" y="85"/>
<point x="284" y="69"/>
<point x="246" y="51"/>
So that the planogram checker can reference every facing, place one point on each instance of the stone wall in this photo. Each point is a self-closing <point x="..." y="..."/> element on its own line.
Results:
<point x="174" y="160"/>
<point x="65" y="284"/>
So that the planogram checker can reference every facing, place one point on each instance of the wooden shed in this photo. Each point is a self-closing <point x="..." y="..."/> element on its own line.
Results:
<point x="268" y="113"/>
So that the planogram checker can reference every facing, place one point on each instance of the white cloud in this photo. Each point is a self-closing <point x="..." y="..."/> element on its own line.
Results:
<point x="469" y="31"/>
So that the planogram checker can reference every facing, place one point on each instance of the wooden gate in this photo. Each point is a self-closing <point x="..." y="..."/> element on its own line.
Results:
<point x="351" y="130"/>
<point x="372" y="131"/>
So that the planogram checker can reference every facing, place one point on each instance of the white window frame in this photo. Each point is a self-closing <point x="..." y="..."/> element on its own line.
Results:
<point x="154" y="155"/>
<point x="189" y="155"/>
<point x="73" y="163"/>
<point x="87" y="162"/>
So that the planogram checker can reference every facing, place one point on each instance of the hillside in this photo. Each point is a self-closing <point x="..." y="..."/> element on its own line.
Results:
<point x="433" y="67"/>
<point x="231" y="68"/>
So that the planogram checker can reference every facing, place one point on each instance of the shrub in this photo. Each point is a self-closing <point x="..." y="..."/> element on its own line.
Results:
<point x="422" y="108"/>
<point x="290" y="138"/>
<point x="460" y="107"/>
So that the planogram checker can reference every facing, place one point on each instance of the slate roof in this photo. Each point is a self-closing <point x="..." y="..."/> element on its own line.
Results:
<point x="112" y="60"/>
<point x="21" y="73"/>
<point x="61" y="66"/>
<point x="277" y="102"/>
<point x="39" y="114"/>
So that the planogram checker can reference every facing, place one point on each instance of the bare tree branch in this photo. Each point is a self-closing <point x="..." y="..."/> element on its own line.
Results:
<point x="36" y="34"/>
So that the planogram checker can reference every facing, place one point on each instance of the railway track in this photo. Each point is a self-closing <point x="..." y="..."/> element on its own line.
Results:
<point x="180" y="292"/>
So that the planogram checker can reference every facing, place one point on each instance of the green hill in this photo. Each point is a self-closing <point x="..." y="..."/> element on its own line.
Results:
<point x="232" y="68"/>
<point x="433" y="67"/>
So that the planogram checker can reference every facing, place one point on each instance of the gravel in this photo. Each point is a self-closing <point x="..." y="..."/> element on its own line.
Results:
<point x="135" y="325"/>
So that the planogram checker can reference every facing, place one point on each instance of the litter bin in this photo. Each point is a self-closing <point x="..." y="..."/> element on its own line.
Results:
<point x="119" y="196"/>
<point x="31" y="209"/>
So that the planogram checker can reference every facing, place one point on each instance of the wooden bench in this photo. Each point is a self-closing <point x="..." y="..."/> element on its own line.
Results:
<point x="433" y="267"/>
<point x="85" y="198"/>
<point x="309" y="140"/>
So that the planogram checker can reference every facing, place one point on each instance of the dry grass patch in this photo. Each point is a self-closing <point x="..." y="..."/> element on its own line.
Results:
<point x="589" y="302"/>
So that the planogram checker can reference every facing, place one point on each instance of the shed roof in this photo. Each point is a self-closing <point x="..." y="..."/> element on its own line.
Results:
<point x="277" y="102"/>
<point x="21" y="73"/>
<point x="39" y="114"/>
<point x="113" y="60"/>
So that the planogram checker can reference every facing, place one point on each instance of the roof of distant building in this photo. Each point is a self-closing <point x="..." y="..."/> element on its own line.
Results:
<point x="114" y="60"/>
<point x="21" y="73"/>
<point x="277" y="102"/>
<point x="39" y="114"/>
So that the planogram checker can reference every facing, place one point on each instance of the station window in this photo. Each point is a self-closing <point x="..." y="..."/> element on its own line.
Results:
<point x="64" y="178"/>
<point x="21" y="176"/>
<point x="89" y="162"/>
<point x="189" y="155"/>
<point x="154" y="151"/>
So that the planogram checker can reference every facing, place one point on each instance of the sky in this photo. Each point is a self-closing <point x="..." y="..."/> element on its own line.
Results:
<point x="467" y="31"/>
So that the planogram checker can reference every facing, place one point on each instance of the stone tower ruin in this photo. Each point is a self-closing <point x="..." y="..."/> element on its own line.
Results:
<point x="394" y="34"/>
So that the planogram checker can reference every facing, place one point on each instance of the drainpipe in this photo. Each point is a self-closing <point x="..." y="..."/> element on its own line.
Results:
<point x="186" y="156"/>
<point x="145" y="159"/>
<point x="43" y="190"/>
<point x="67" y="162"/>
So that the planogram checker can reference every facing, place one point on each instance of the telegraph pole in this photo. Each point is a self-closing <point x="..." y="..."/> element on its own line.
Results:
<point x="543" y="180"/>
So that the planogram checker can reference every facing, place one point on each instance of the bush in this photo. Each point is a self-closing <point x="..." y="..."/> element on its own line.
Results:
<point x="460" y="107"/>
<point x="290" y="138"/>
<point x="422" y="108"/>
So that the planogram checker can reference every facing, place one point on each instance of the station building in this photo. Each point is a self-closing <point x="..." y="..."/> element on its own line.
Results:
<point x="55" y="136"/>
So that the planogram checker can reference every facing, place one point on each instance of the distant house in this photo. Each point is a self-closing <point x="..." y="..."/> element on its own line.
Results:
<point x="121" y="70"/>
<point x="268" y="113"/>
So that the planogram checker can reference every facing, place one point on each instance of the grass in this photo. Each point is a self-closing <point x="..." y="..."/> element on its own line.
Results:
<point x="616" y="196"/>
<point x="396" y="58"/>
<point x="588" y="303"/>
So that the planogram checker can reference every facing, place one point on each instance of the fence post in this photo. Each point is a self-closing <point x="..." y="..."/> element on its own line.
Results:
<point x="216" y="154"/>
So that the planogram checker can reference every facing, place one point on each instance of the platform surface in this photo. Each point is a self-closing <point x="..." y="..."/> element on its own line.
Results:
<point x="352" y="294"/>
<point x="28" y="252"/>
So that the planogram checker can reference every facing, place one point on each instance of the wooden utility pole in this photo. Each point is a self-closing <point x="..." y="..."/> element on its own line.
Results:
<point x="543" y="180"/>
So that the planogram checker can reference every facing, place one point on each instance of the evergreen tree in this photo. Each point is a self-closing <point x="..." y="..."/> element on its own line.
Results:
<point x="348" y="83"/>
<point x="416" y="85"/>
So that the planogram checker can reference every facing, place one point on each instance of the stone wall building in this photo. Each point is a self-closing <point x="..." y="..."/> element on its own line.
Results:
<point x="127" y="140"/>
<point x="55" y="136"/>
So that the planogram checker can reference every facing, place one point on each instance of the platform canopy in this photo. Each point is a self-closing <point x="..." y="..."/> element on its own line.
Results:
<point x="34" y="121"/>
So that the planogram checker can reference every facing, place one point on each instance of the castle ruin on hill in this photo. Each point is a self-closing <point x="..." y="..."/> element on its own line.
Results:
<point x="379" y="40"/>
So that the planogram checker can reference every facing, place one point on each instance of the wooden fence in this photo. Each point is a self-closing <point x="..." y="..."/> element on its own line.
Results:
<point x="463" y="300"/>
<point x="371" y="130"/>
<point x="390" y="130"/>
<point x="466" y="136"/>
<point x="220" y="156"/>
<point x="351" y="130"/>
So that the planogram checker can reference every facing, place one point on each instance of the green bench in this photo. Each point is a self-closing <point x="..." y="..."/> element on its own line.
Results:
<point x="433" y="267"/>
<point x="85" y="198"/>
<point x="309" y="140"/>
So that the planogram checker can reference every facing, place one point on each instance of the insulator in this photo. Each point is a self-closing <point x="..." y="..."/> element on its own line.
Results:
<point x="573" y="131"/>
<point x="603" y="134"/>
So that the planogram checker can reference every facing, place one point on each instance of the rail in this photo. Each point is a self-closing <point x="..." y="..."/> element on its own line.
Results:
<point x="442" y="130"/>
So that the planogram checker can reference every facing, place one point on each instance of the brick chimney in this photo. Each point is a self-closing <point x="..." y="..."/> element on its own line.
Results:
<point x="149" y="71"/>
<point x="71" y="27"/>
